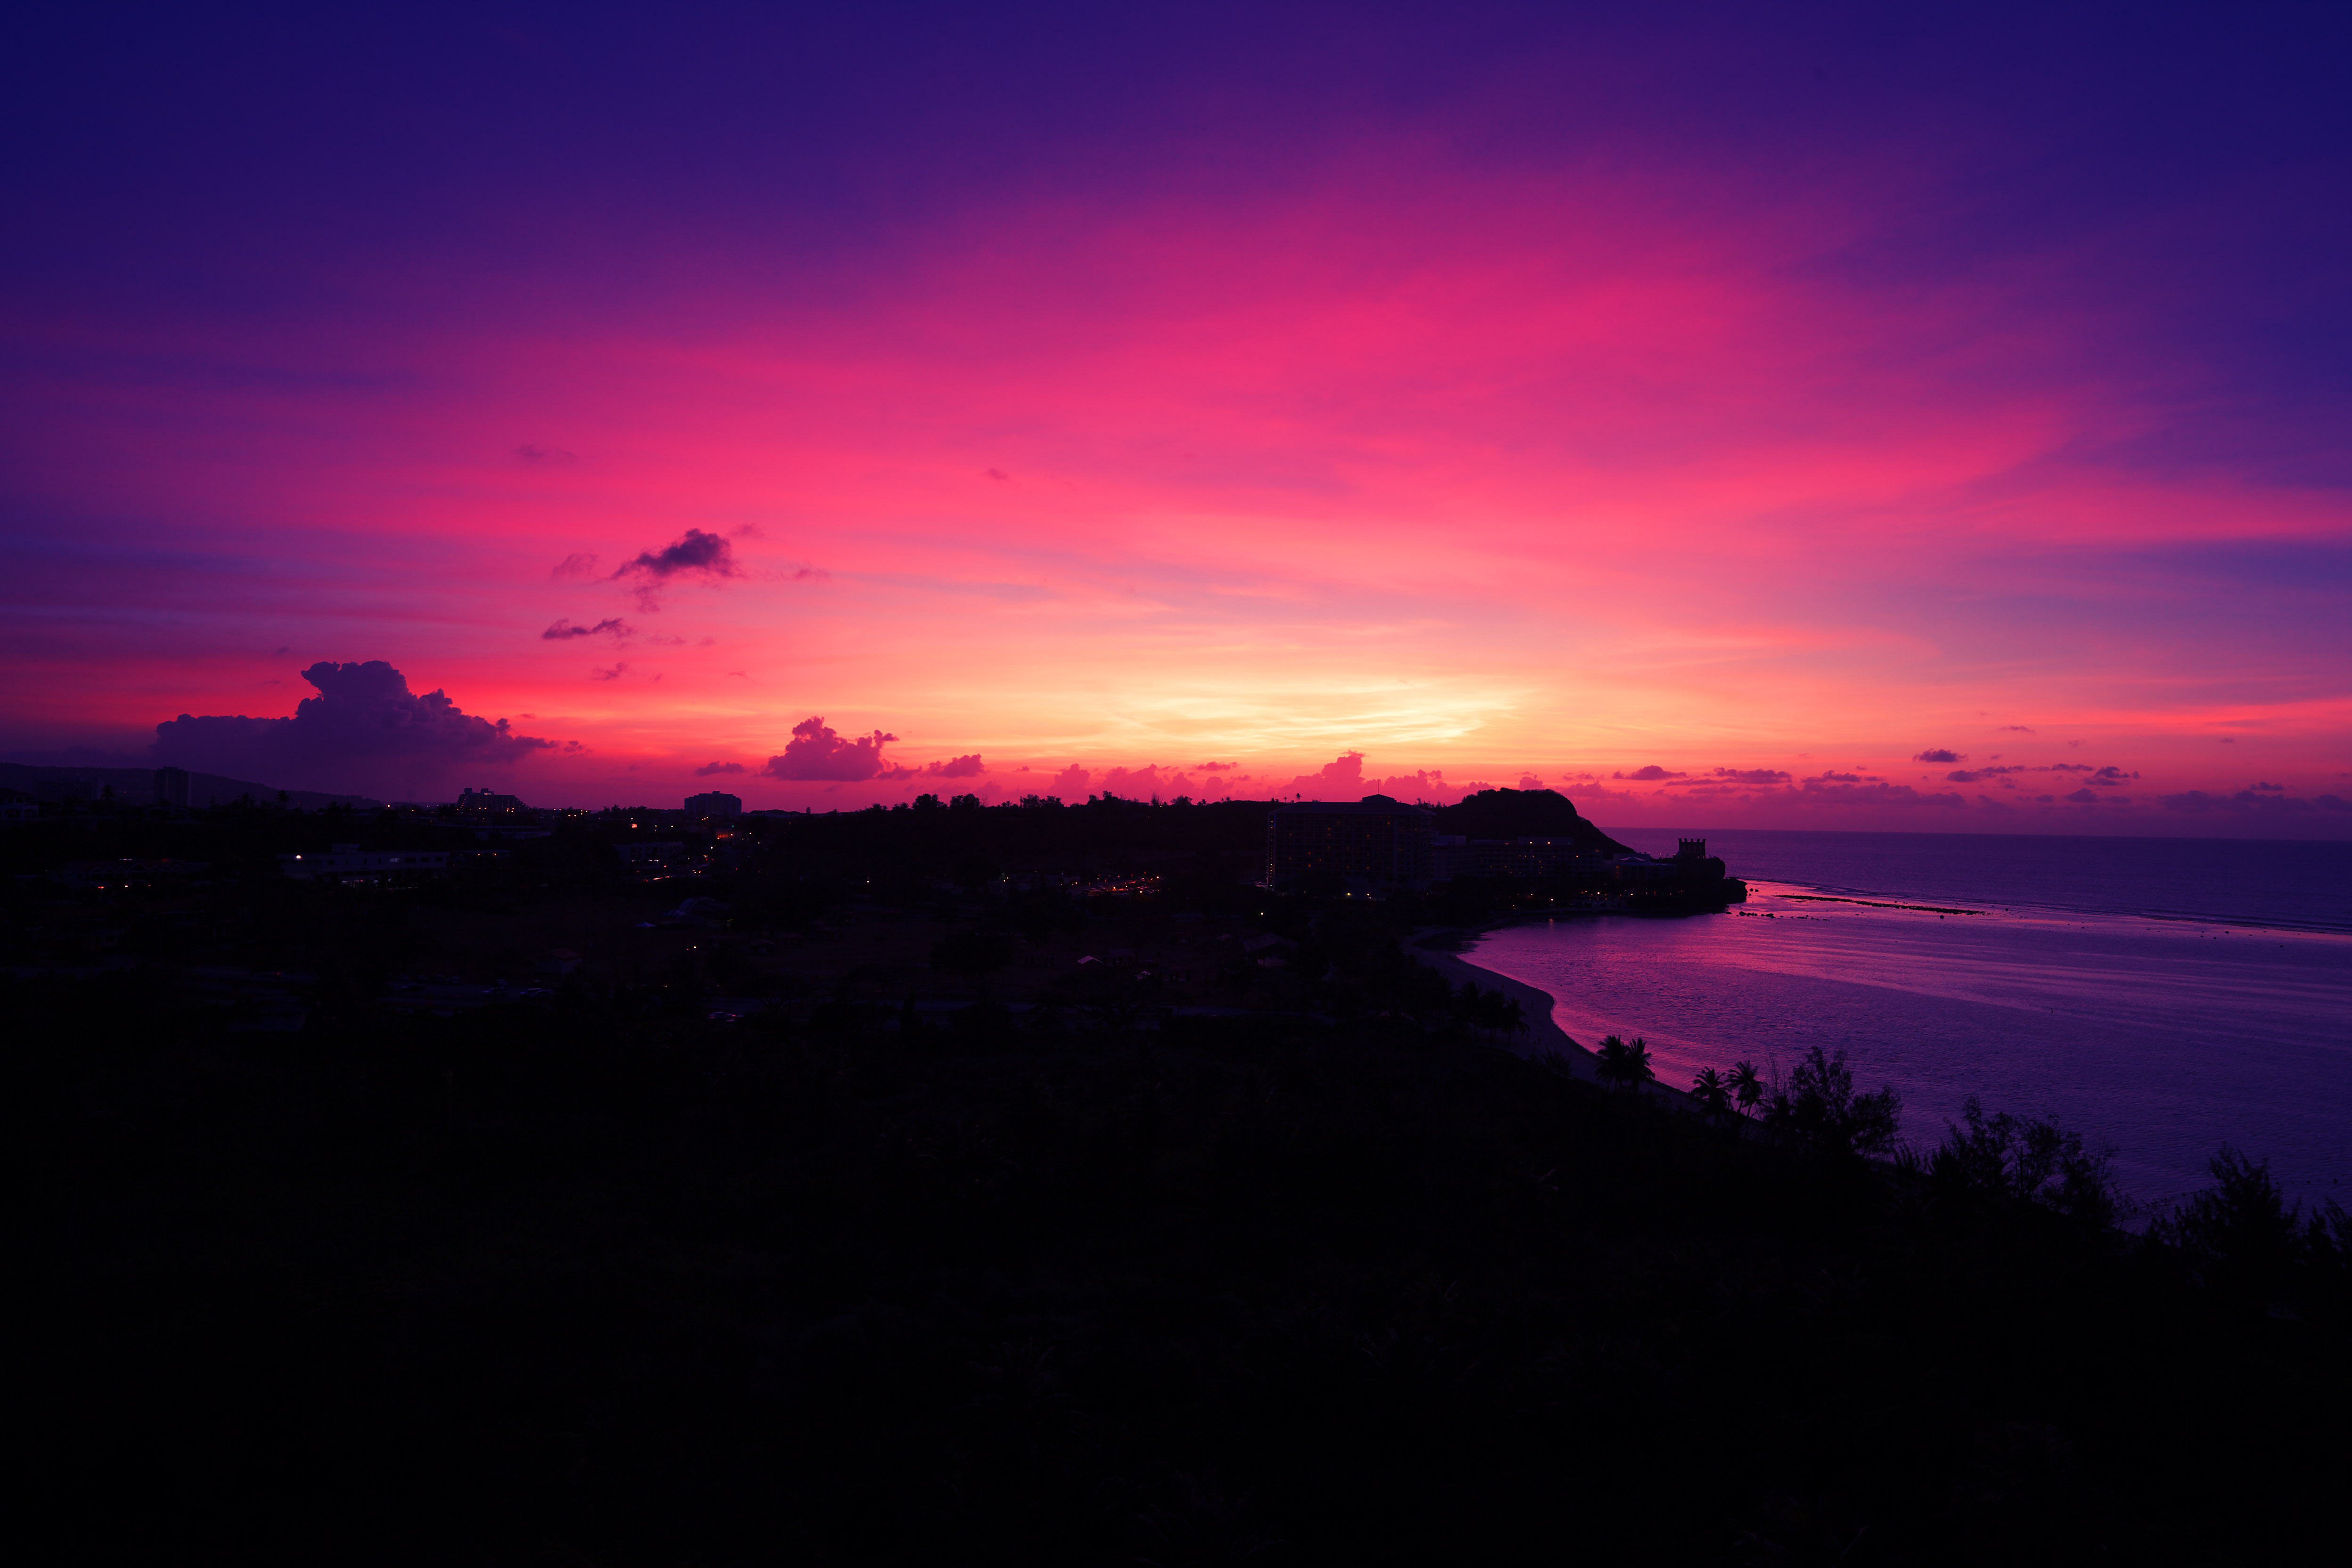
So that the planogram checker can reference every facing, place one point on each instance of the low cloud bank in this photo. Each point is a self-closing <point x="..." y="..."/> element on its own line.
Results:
<point x="2260" y="801"/>
<point x="1343" y="779"/>
<point x="364" y="731"/>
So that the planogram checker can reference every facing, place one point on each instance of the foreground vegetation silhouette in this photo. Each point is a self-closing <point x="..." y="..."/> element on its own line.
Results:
<point x="968" y="1260"/>
<point x="602" y="1283"/>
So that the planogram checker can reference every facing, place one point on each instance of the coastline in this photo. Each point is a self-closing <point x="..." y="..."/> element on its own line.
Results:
<point x="1543" y="1036"/>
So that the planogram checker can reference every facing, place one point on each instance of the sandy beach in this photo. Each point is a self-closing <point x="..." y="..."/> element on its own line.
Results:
<point x="1543" y="1036"/>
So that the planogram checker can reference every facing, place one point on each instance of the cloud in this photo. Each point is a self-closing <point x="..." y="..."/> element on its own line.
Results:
<point x="1134" y="784"/>
<point x="1343" y="779"/>
<point x="2112" y="775"/>
<point x="563" y="629"/>
<point x="706" y="769"/>
<point x="696" y="553"/>
<point x="2081" y="797"/>
<point x="2021" y="729"/>
<point x="2197" y="802"/>
<point x="575" y="566"/>
<point x="364" y="723"/>
<point x="1833" y="778"/>
<point x="1939" y="754"/>
<point x="1651" y="772"/>
<point x="1875" y="793"/>
<point x="614" y="673"/>
<point x="956" y="767"/>
<point x="1072" y="780"/>
<point x="1216" y="767"/>
<point x="2271" y="788"/>
<point x="1529" y="780"/>
<point x="1752" y="775"/>
<point x="814" y="752"/>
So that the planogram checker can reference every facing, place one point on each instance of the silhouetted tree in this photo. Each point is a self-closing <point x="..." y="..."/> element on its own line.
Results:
<point x="1817" y="1106"/>
<point x="2002" y="1160"/>
<point x="1745" y="1081"/>
<point x="2240" y="1235"/>
<point x="1624" y="1063"/>
<point x="1712" y="1092"/>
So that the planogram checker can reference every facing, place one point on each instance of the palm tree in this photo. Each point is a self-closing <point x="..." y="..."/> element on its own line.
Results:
<point x="1713" y="1093"/>
<point x="1746" y="1085"/>
<point x="1637" y="1057"/>
<point x="1624" y="1063"/>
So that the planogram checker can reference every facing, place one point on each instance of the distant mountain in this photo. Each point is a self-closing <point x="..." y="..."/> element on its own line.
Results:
<point x="136" y="786"/>
<point x="1524" y="813"/>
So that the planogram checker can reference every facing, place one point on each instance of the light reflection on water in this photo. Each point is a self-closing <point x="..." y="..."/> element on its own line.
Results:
<point x="2164" y="1039"/>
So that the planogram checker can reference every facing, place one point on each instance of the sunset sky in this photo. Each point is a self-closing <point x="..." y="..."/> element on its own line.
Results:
<point x="1785" y="416"/>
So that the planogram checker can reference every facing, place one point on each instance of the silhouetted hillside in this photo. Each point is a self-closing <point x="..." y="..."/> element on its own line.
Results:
<point x="137" y="786"/>
<point x="1524" y="813"/>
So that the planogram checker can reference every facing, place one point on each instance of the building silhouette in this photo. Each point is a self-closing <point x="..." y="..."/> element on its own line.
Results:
<point x="716" y="803"/>
<point x="1374" y="843"/>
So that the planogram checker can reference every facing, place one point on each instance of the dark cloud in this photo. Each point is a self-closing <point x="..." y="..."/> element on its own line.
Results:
<point x="1752" y="775"/>
<point x="1939" y="754"/>
<point x="1529" y="780"/>
<point x="365" y="730"/>
<point x="814" y="752"/>
<point x="706" y="769"/>
<point x="563" y="629"/>
<point x="1216" y="767"/>
<point x="574" y="566"/>
<point x="696" y="551"/>
<point x="1875" y="793"/>
<point x="2246" y="802"/>
<point x="2081" y="797"/>
<point x="1833" y="778"/>
<point x="1651" y="772"/>
<point x="2020" y="728"/>
<point x="956" y="767"/>
<point x="614" y="673"/>
<point x="2271" y="788"/>
<point x="2112" y="775"/>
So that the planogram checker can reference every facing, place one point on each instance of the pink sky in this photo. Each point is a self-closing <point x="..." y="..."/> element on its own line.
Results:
<point x="1480" y="474"/>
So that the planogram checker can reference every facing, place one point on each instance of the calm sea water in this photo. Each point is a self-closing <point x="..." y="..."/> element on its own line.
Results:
<point x="2160" y="996"/>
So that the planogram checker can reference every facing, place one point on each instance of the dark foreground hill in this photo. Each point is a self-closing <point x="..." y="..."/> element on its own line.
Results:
<point x="591" y="1285"/>
<point x="1524" y="813"/>
<point x="137" y="786"/>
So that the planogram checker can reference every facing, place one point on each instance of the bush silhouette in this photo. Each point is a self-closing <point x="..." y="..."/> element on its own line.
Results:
<point x="1817" y="1106"/>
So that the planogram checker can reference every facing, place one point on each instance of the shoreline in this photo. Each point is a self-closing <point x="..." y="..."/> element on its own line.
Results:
<point x="1544" y="1036"/>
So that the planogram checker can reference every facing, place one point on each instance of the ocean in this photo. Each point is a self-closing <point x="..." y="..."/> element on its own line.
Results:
<point x="2161" y="997"/>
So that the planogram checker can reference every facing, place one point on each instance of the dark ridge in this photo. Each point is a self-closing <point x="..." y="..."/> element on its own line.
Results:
<point x="137" y="786"/>
<point x="1524" y="813"/>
